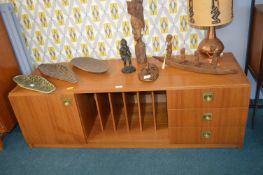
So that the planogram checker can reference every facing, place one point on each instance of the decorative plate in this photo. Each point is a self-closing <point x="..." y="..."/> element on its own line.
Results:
<point x="35" y="83"/>
<point x="90" y="64"/>
<point x="59" y="71"/>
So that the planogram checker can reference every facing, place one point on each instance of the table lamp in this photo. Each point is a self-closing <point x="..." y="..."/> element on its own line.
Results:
<point x="210" y="13"/>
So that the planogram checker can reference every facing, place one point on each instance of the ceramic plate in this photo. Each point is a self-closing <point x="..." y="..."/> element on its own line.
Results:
<point x="35" y="83"/>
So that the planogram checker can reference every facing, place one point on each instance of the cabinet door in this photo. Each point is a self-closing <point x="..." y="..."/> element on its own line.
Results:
<point x="49" y="119"/>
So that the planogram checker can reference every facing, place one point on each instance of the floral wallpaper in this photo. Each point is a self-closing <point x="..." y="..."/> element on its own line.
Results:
<point x="59" y="30"/>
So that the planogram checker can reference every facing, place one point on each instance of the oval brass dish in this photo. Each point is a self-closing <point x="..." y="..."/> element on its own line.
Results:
<point x="34" y="83"/>
<point x="90" y="64"/>
<point x="59" y="71"/>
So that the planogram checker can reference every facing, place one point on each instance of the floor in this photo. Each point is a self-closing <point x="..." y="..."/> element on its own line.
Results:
<point x="17" y="158"/>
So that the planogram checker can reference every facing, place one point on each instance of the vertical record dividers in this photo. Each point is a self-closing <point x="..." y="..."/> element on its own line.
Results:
<point x="128" y="122"/>
<point x="139" y="110"/>
<point x="114" y="122"/>
<point x="103" y="109"/>
<point x="154" y="111"/>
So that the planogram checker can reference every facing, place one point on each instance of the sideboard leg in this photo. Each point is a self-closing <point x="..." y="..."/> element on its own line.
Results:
<point x="1" y="145"/>
<point x="1" y="141"/>
<point x="255" y="105"/>
<point x="259" y="81"/>
<point x="30" y="146"/>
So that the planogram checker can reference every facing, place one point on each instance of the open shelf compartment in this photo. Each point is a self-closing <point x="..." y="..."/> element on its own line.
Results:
<point x="160" y="109"/>
<point x="124" y="116"/>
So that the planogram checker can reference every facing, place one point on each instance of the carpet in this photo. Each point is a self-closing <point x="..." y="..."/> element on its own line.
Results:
<point x="18" y="158"/>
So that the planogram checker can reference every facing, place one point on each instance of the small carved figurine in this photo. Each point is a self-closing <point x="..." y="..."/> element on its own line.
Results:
<point x="169" y="46"/>
<point x="182" y="54"/>
<point x="126" y="57"/>
<point x="214" y="60"/>
<point x="135" y="9"/>
<point x="169" y="49"/>
<point x="214" y="56"/>
<point x="196" y="58"/>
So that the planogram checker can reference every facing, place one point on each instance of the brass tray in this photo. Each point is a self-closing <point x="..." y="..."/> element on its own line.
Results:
<point x="34" y="83"/>
<point x="59" y="71"/>
<point x="90" y="64"/>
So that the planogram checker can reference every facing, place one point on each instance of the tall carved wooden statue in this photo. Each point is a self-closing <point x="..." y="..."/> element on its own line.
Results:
<point x="135" y="9"/>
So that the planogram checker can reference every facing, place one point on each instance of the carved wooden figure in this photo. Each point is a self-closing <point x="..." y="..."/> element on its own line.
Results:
<point x="169" y="46"/>
<point x="196" y="58"/>
<point x="215" y="60"/>
<point x="182" y="54"/>
<point x="126" y="57"/>
<point x="149" y="73"/>
<point x="135" y="9"/>
<point x="214" y="56"/>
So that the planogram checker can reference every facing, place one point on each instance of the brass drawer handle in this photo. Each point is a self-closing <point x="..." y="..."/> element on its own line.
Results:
<point x="208" y="116"/>
<point x="208" y="96"/>
<point x="67" y="102"/>
<point x="206" y="134"/>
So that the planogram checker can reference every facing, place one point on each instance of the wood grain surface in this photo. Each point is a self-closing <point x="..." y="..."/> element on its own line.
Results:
<point x="87" y="110"/>
<point x="221" y="117"/>
<point x="1" y="145"/>
<point x="9" y="68"/>
<point x="222" y="97"/>
<point x="219" y="135"/>
<point x="170" y="79"/>
<point x="118" y="110"/>
<point x="45" y="120"/>
<point x="256" y="44"/>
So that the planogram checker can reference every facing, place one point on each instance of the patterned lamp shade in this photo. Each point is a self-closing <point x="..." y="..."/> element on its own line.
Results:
<point x="210" y="12"/>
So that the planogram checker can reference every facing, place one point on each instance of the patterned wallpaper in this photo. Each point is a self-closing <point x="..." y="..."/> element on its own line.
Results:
<point x="58" y="30"/>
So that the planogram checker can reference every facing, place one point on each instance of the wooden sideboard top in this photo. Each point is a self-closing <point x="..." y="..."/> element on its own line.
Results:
<point x="169" y="79"/>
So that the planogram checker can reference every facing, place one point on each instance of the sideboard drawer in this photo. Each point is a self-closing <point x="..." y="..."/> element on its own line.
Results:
<point x="207" y="117"/>
<point x="207" y="135"/>
<point x="207" y="98"/>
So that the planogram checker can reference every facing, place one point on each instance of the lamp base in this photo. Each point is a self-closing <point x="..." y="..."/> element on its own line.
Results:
<point x="211" y="44"/>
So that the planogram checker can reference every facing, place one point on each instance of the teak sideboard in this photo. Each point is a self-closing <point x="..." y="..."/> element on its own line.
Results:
<point x="115" y="110"/>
